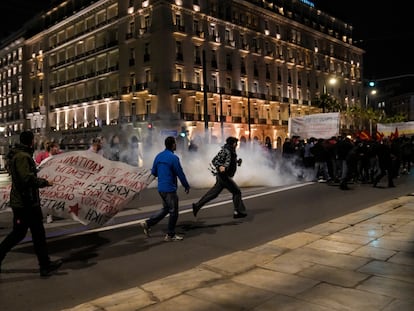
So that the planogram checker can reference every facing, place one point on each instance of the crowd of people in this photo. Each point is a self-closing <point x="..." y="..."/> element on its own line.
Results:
<point x="343" y="160"/>
<point x="335" y="160"/>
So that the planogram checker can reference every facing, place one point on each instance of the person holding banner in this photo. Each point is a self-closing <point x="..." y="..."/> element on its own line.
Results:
<point x="167" y="168"/>
<point x="25" y="204"/>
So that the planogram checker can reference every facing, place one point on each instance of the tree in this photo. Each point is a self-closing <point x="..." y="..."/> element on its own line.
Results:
<point x="328" y="103"/>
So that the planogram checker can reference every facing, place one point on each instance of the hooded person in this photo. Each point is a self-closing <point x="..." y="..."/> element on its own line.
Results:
<point x="225" y="165"/>
<point x="25" y="204"/>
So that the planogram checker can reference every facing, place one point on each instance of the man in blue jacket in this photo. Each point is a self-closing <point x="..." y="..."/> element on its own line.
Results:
<point x="167" y="168"/>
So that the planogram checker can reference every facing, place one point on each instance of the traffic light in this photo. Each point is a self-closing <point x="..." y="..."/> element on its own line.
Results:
<point x="371" y="83"/>
<point x="149" y="126"/>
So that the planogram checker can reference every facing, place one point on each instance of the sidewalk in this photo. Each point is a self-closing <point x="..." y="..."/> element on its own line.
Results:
<point x="361" y="261"/>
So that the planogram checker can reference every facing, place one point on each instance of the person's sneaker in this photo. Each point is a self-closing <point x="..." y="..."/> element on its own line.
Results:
<point x="195" y="210"/>
<point x="48" y="270"/>
<point x="174" y="238"/>
<point x="145" y="228"/>
<point x="49" y="219"/>
<point x="239" y="215"/>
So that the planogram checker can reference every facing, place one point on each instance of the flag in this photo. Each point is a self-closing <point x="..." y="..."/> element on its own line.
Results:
<point x="87" y="187"/>
<point x="378" y="136"/>
<point x="363" y="135"/>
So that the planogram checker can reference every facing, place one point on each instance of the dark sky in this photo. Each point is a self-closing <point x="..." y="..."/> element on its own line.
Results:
<point x="385" y="28"/>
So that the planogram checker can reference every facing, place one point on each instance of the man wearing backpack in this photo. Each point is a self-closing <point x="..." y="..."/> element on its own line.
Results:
<point x="225" y="165"/>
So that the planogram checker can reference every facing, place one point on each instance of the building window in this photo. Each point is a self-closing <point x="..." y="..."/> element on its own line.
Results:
<point x="228" y="83"/>
<point x="147" y="53"/>
<point x="197" y="57"/>
<point x="178" y="50"/>
<point x="197" y="77"/>
<point x="131" y="56"/>
<point x="179" y="74"/>
<point x="147" y="75"/>
<point x="214" y="83"/>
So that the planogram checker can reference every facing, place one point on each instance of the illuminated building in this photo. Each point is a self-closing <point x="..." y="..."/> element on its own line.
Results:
<point x="87" y="68"/>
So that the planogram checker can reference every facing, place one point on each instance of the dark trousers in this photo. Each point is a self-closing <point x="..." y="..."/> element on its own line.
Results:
<point x="24" y="219"/>
<point x="170" y="206"/>
<point x="223" y="182"/>
<point x="385" y="170"/>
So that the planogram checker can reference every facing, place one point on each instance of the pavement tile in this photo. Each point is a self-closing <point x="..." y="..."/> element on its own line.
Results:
<point x="393" y="244"/>
<point x="277" y="282"/>
<point x="404" y="258"/>
<point x="130" y="299"/>
<point x="231" y="295"/>
<point x="350" y="238"/>
<point x="237" y="262"/>
<point x="368" y="229"/>
<point x="175" y="284"/>
<point x="389" y="270"/>
<point x="268" y="249"/>
<point x="395" y="217"/>
<point x="333" y="246"/>
<point x="329" y="259"/>
<point x="355" y="218"/>
<point x="84" y="307"/>
<point x="409" y="227"/>
<point x="335" y="276"/>
<point x="340" y="298"/>
<point x="400" y="305"/>
<point x="186" y="303"/>
<point x="326" y="228"/>
<point x="401" y="236"/>
<point x="374" y="253"/>
<point x="389" y="287"/>
<point x="286" y="303"/>
<point x="287" y="263"/>
<point x="296" y="240"/>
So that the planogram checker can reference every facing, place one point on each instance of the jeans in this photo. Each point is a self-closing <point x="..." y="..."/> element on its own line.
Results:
<point x="170" y="206"/>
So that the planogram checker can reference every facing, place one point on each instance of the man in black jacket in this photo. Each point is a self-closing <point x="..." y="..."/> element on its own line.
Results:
<point x="25" y="203"/>
<point x="225" y="165"/>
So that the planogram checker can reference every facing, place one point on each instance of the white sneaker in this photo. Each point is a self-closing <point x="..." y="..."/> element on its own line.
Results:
<point x="174" y="238"/>
<point x="49" y="219"/>
<point x="146" y="229"/>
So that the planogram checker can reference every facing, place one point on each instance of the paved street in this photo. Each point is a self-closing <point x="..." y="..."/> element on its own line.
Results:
<point x="361" y="261"/>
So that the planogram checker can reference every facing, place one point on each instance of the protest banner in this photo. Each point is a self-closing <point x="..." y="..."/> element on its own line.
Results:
<point x="403" y="128"/>
<point x="320" y="125"/>
<point x="86" y="187"/>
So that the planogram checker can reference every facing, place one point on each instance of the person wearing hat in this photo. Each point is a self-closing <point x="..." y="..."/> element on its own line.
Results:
<point x="225" y="165"/>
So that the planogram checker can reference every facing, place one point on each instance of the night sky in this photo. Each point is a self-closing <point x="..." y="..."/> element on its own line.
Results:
<point x="385" y="29"/>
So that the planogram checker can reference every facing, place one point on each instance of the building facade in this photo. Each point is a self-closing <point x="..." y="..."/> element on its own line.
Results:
<point x="200" y="68"/>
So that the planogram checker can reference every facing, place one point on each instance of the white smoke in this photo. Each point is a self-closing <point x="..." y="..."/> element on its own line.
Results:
<point x="260" y="167"/>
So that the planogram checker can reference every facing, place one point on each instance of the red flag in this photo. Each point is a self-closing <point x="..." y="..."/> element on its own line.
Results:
<point x="363" y="135"/>
<point x="379" y="136"/>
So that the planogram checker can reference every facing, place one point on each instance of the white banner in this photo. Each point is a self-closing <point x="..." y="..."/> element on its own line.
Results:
<point x="86" y="187"/>
<point x="320" y="125"/>
<point x="403" y="128"/>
